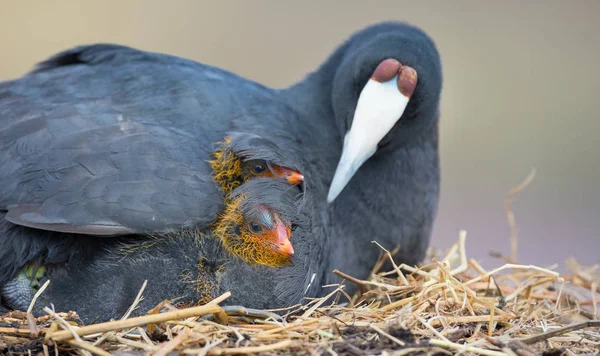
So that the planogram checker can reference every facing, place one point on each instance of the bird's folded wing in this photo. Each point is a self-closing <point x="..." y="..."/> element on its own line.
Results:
<point x="103" y="140"/>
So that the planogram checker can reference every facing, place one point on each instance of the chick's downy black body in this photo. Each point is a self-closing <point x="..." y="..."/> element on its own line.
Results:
<point x="116" y="141"/>
<point x="185" y="266"/>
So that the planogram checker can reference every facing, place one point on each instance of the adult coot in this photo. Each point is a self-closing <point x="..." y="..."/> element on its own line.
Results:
<point x="108" y="140"/>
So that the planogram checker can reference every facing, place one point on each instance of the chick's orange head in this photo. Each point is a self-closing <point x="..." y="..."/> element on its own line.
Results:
<point x="255" y="233"/>
<point x="261" y="168"/>
<point x="232" y="169"/>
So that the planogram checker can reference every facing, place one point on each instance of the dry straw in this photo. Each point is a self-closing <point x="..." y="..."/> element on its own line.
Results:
<point x="451" y="305"/>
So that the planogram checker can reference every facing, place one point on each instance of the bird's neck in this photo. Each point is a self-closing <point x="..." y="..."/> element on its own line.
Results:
<point x="392" y="200"/>
<point x="399" y="182"/>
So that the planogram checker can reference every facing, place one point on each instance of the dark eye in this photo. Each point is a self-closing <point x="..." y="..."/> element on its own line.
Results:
<point x="259" y="168"/>
<point x="294" y="226"/>
<point x="255" y="227"/>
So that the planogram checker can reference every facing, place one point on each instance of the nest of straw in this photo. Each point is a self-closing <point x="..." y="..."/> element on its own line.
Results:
<point x="452" y="305"/>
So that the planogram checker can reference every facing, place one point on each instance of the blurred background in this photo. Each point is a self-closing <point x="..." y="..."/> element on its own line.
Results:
<point x="521" y="90"/>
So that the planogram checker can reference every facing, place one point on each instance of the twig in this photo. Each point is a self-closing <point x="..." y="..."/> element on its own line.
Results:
<point x="398" y="271"/>
<point x="462" y="253"/>
<point x="36" y="296"/>
<point x="513" y="266"/>
<point x="349" y="278"/>
<point x="514" y="241"/>
<point x="419" y="350"/>
<point x="593" y="288"/>
<point x="169" y="346"/>
<point x="435" y="332"/>
<point x="35" y="332"/>
<point x="394" y="339"/>
<point x="220" y="298"/>
<point x="73" y="333"/>
<point x="512" y="346"/>
<point x="465" y="348"/>
<point x="254" y="313"/>
<point x="319" y="303"/>
<point x="136" y="301"/>
<point x="398" y="303"/>
<point x="136" y="344"/>
<point x="468" y="319"/>
<point x="560" y="331"/>
<point x="288" y="327"/>
<point x="204" y="350"/>
<point x="250" y="349"/>
<point x="88" y="347"/>
<point x="139" y="321"/>
<point x="132" y="307"/>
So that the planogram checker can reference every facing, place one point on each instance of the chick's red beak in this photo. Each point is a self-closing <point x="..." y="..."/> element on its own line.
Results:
<point x="283" y="237"/>
<point x="292" y="176"/>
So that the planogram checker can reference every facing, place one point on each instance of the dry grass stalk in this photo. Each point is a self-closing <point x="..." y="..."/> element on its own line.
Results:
<point x="209" y="308"/>
<point x="514" y="247"/>
<point x="37" y="295"/>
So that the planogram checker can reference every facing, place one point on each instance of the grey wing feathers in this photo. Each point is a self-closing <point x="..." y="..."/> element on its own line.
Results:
<point x="106" y="150"/>
<point x="103" y="54"/>
<point x="113" y="182"/>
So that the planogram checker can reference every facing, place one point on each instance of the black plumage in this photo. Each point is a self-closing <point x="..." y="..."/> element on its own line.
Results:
<point x="114" y="141"/>
<point x="185" y="266"/>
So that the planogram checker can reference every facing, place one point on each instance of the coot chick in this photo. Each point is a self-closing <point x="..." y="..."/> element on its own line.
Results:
<point x="188" y="267"/>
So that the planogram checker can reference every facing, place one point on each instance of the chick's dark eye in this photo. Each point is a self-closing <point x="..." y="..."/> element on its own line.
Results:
<point x="259" y="168"/>
<point x="255" y="227"/>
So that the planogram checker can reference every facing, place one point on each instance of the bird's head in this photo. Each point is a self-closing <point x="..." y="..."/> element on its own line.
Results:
<point x="386" y="84"/>
<point x="255" y="232"/>
<point x="260" y="168"/>
<point x="242" y="157"/>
